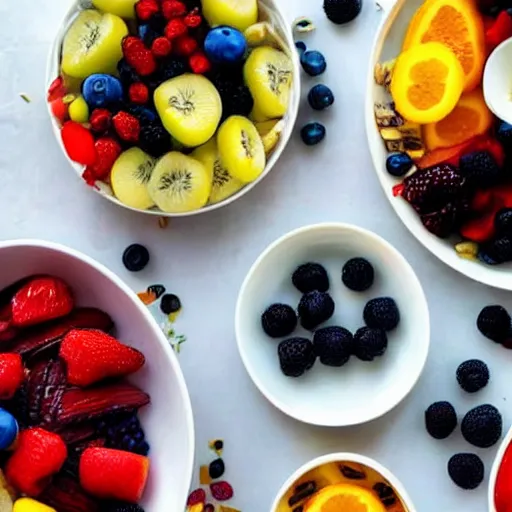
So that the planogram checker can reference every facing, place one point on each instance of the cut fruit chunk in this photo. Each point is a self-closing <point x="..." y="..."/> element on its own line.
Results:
<point x="469" y="118"/>
<point x="427" y="83"/>
<point x="130" y="177"/>
<point x="456" y="24"/>
<point x="269" y="73"/>
<point x="179" y="183"/>
<point x="122" y="8"/>
<point x="241" y="149"/>
<point x="93" y="44"/>
<point x="190" y="108"/>
<point x="240" y="14"/>
<point x="353" y="498"/>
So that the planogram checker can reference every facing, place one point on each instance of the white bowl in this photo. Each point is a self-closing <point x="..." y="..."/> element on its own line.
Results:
<point x="358" y="392"/>
<point x="507" y="440"/>
<point x="387" y="45"/>
<point x="354" y="460"/>
<point x="271" y="12"/>
<point x="168" y="419"/>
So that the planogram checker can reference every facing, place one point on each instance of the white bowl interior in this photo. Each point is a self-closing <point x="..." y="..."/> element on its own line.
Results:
<point x="269" y="11"/>
<point x="168" y="419"/>
<point x="357" y="392"/>
<point x="507" y="440"/>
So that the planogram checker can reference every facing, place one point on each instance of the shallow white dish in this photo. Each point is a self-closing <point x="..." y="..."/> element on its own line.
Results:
<point x="387" y="45"/>
<point x="507" y="440"/>
<point x="271" y="12"/>
<point x="358" y="392"/>
<point x="168" y="419"/>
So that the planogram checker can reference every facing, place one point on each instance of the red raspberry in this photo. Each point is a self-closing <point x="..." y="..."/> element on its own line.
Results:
<point x="108" y="151"/>
<point x="146" y="9"/>
<point x="193" y="19"/>
<point x="221" y="491"/>
<point x="57" y="89"/>
<point x="195" y="497"/>
<point x="138" y="93"/>
<point x="100" y="120"/>
<point x="126" y="126"/>
<point x="185" y="46"/>
<point x="173" y="9"/>
<point x="175" y="28"/>
<point x="60" y="109"/>
<point x="138" y="56"/>
<point x="161" y="47"/>
<point x="199" y="63"/>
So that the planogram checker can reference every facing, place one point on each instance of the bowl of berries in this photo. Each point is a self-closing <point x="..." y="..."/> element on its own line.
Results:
<point x="94" y="410"/>
<point x="500" y="491"/>
<point x="332" y="325"/>
<point x="441" y="155"/>
<point x="173" y="107"/>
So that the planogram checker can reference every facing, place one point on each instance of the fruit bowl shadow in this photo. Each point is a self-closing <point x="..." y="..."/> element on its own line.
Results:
<point x="269" y="11"/>
<point x="167" y="421"/>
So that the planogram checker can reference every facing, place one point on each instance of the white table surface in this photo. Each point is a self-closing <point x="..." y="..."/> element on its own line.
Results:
<point x="204" y="260"/>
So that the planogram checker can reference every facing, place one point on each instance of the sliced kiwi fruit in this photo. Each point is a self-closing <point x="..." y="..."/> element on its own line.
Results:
<point x="179" y="183"/>
<point x="122" y="8"/>
<point x="239" y="14"/>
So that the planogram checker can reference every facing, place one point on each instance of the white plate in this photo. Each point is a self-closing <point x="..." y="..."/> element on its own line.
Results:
<point x="168" y="419"/>
<point x="495" y="468"/>
<point x="357" y="392"/>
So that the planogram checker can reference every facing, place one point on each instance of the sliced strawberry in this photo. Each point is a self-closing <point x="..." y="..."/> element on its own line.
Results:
<point x="65" y="495"/>
<point x="12" y="375"/>
<point x="479" y="230"/>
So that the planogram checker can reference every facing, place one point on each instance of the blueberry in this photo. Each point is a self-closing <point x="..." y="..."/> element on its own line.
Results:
<point x="504" y="135"/>
<point x="216" y="469"/>
<point x="503" y="221"/>
<point x="313" y="62"/>
<point x="315" y="308"/>
<point x="279" y="320"/>
<point x="135" y="257"/>
<point x="312" y="134"/>
<point x="101" y="90"/>
<point x="225" y="45"/>
<point x="8" y="429"/>
<point x="320" y="97"/>
<point x="301" y="47"/>
<point x="170" y="303"/>
<point x="399" y="164"/>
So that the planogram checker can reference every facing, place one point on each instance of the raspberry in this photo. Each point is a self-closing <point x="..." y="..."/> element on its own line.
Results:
<point x="173" y="9"/>
<point x="175" y="28"/>
<point x="138" y="56"/>
<point x="199" y="63"/>
<point x="185" y="46"/>
<point x="221" y="491"/>
<point x="193" y="19"/>
<point x="146" y="9"/>
<point x="100" y="120"/>
<point x="440" y="420"/>
<point x="196" y="497"/>
<point x="126" y="126"/>
<point x="161" y="47"/>
<point x="107" y="150"/>
<point x="310" y="277"/>
<point x="138" y="93"/>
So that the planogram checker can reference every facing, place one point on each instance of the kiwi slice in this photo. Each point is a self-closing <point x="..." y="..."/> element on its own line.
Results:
<point x="123" y="8"/>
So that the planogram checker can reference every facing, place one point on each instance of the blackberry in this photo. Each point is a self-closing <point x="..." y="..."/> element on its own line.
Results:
<point x="279" y="320"/>
<point x="472" y="375"/>
<point x="358" y="274"/>
<point x="154" y="139"/>
<point x="171" y="68"/>
<point x="440" y="420"/>
<point x="482" y="426"/>
<point x="370" y="343"/>
<point x="382" y="313"/>
<point x="239" y="102"/>
<point x="494" y="323"/>
<point x="480" y="168"/>
<point x="296" y="356"/>
<point x="466" y="470"/>
<point x="342" y="11"/>
<point x="157" y="22"/>
<point x="503" y="221"/>
<point x="496" y="251"/>
<point x="119" y="506"/>
<point x="123" y="432"/>
<point x="170" y="303"/>
<point x="309" y="277"/>
<point x="333" y="345"/>
<point x="127" y="74"/>
<point x="446" y="221"/>
<point x="315" y="308"/>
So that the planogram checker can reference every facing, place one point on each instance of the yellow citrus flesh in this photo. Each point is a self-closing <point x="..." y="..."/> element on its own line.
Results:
<point x="344" y="498"/>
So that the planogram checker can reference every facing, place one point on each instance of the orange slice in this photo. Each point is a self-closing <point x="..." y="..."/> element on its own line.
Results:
<point x="456" y="24"/>
<point x="346" y="498"/>
<point x="469" y="118"/>
<point x="427" y="83"/>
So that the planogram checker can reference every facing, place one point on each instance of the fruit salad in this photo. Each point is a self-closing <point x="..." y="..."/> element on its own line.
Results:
<point x="451" y="155"/>
<point x="171" y="104"/>
<point x="70" y="437"/>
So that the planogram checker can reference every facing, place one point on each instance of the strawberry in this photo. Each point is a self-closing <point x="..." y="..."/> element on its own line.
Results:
<point x="139" y="92"/>
<point x="11" y="375"/>
<point x="138" y="56"/>
<point x="39" y="455"/>
<point x="100" y="120"/>
<point x="221" y="491"/>
<point x="175" y="28"/>
<point x="78" y="143"/>
<point x="113" y="474"/>
<point x="173" y="9"/>
<point x="40" y="300"/>
<point x="479" y="229"/>
<point x="57" y="89"/>
<point x="108" y="150"/>
<point x="127" y="126"/>
<point x="92" y="356"/>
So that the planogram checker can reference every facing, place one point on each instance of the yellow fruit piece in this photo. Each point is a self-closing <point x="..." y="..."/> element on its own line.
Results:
<point x="30" y="505"/>
<point x="263" y="33"/>
<point x="190" y="108"/>
<point x="344" y="497"/>
<point x="93" y="44"/>
<point x="122" y="8"/>
<point x="79" y="110"/>
<point x="198" y="507"/>
<point x="427" y="83"/>
<point x="271" y="139"/>
<point x="204" y="475"/>
<point x="239" y="14"/>
<point x="265" y="127"/>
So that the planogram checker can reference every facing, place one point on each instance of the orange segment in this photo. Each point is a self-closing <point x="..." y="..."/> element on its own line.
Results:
<point x="346" y="498"/>
<point x="427" y="83"/>
<point x="469" y="118"/>
<point x="456" y="24"/>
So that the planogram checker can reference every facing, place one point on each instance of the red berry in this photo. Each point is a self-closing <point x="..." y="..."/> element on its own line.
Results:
<point x="209" y="508"/>
<point x="195" y="497"/>
<point x="221" y="491"/>
<point x="161" y="47"/>
<point x="146" y="9"/>
<point x="60" y="109"/>
<point x="173" y="9"/>
<point x="138" y="56"/>
<point x="11" y="375"/>
<point x="126" y="126"/>
<point x="185" y="46"/>
<point x="89" y="177"/>
<point x="199" y="63"/>
<point x="56" y="89"/>
<point x="139" y="93"/>
<point x="100" y="120"/>
<point x="193" y="19"/>
<point x="175" y="28"/>
<point x="108" y="151"/>
<point x="78" y="143"/>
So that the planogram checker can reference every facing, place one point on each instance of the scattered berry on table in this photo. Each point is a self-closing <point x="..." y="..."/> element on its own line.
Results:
<point x="399" y="164"/>
<point x="195" y="497"/>
<point x="342" y="11"/>
<point x="382" y="313"/>
<point x="313" y="62"/>
<point x="217" y="445"/>
<point x="12" y="375"/>
<point x="370" y="343"/>
<point x="333" y="345"/>
<point x="503" y="221"/>
<point x="296" y="356"/>
<point x="440" y="420"/>
<point x="135" y="257"/>
<point x="123" y="432"/>
<point x="225" y="45"/>
<point x="494" y="323"/>
<point x="118" y="506"/>
<point x="221" y="491"/>
<point x="312" y="133"/>
<point x="482" y="426"/>
<point x="102" y="90"/>
<point x="279" y="320"/>
<point x="301" y="47"/>
<point x="496" y="251"/>
<point x="170" y="303"/>
<point x="320" y="97"/>
<point x="466" y="470"/>
<point x="157" y="289"/>
<point x="358" y="274"/>
<point x="315" y="308"/>
<point x="480" y="168"/>
<point x="472" y="375"/>
<point x="309" y="277"/>
<point x="216" y="468"/>
<point x="154" y="139"/>
<point x="127" y="126"/>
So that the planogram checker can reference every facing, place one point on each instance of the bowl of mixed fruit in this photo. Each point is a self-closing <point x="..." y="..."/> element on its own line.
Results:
<point x="173" y="107"/>
<point x="442" y="156"/>
<point x="94" y="411"/>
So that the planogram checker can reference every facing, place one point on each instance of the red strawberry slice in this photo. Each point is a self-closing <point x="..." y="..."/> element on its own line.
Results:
<point x="40" y="300"/>
<point x="113" y="474"/>
<point x="12" y="374"/>
<point x="92" y="356"/>
<point x="38" y="456"/>
<point x="479" y="230"/>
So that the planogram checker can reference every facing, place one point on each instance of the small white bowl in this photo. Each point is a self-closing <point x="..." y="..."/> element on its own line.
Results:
<point x="358" y="392"/>
<point x="168" y="419"/>
<point x="507" y="440"/>
<point x="270" y="11"/>
<point x="372" y="469"/>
